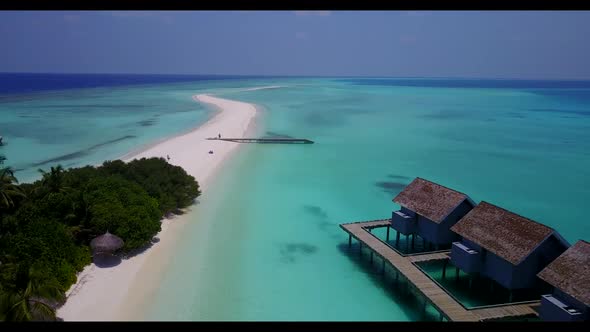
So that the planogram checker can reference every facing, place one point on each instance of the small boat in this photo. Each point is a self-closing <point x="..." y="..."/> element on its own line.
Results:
<point x="0" y="140"/>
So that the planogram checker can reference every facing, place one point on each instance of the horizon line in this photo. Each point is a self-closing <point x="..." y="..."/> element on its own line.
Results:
<point x="307" y="76"/>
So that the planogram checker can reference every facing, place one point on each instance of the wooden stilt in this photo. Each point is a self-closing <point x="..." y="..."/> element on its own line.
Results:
<point x="441" y="317"/>
<point x="397" y="239"/>
<point x="349" y="240"/>
<point x="387" y="239"/>
<point x="456" y="274"/>
<point x="423" y="244"/>
<point x="383" y="266"/>
<point x="360" y="248"/>
<point x="510" y="296"/>
<point x="371" y="257"/>
<point x="424" y="308"/>
<point x="444" y="274"/>
<point x="413" y="238"/>
<point x="407" y="244"/>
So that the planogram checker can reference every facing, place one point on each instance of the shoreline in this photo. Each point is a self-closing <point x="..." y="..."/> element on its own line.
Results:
<point x="99" y="294"/>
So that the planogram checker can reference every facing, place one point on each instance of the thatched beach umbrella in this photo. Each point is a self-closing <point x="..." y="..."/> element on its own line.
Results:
<point x="106" y="243"/>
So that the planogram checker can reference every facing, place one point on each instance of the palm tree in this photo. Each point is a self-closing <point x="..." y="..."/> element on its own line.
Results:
<point x="8" y="188"/>
<point x="53" y="180"/>
<point x="32" y="302"/>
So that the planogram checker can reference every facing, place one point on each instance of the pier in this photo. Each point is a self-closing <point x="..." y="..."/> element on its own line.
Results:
<point x="447" y="306"/>
<point x="264" y="140"/>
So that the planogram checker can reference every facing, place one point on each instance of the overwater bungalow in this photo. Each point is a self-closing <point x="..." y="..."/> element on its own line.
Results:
<point x="505" y="247"/>
<point x="569" y="275"/>
<point x="429" y="210"/>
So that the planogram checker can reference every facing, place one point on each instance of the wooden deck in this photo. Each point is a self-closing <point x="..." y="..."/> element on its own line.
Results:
<point x="429" y="257"/>
<point x="446" y="305"/>
<point x="264" y="140"/>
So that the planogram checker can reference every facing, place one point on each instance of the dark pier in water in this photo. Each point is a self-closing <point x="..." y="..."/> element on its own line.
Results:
<point x="264" y="140"/>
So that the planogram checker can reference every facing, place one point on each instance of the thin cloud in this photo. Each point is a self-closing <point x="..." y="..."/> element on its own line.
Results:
<point x="312" y="13"/>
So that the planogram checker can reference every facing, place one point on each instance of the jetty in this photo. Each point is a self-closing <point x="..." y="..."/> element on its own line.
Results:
<point x="264" y="140"/>
<point x="448" y="307"/>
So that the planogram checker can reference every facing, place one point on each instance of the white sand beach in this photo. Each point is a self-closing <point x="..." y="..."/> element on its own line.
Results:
<point x="100" y="293"/>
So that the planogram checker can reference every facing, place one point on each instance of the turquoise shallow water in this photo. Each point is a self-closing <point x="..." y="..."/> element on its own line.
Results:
<point x="264" y="242"/>
<point x="274" y="250"/>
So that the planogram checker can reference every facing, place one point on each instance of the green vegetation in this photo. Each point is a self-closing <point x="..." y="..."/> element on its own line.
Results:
<point x="46" y="226"/>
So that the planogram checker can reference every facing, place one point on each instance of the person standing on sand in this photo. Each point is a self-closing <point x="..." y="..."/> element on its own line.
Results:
<point x="168" y="156"/>
<point x="219" y="136"/>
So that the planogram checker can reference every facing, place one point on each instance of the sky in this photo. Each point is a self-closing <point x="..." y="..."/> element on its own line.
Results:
<point x="468" y="44"/>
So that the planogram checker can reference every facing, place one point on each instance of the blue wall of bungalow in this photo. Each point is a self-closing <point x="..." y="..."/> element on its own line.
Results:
<point x="435" y="233"/>
<point x="554" y="308"/>
<point x="522" y="275"/>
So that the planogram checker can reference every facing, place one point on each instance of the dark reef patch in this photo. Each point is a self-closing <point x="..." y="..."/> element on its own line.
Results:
<point x="107" y="106"/>
<point x="290" y="251"/>
<point x="81" y="153"/>
<point x="315" y="211"/>
<point x="447" y="115"/>
<point x="272" y="134"/>
<point x="147" y="123"/>
<point x="562" y="112"/>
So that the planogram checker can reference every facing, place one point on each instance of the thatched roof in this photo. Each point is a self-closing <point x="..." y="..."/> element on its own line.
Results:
<point x="506" y="234"/>
<point x="429" y="199"/>
<point x="106" y="243"/>
<point x="570" y="272"/>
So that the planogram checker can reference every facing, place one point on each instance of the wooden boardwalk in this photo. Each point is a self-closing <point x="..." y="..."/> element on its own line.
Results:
<point x="505" y="311"/>
<point x="264" y="140"/>
<point x="446" y="305"/>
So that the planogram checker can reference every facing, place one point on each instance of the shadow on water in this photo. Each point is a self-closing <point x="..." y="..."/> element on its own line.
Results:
<point x="410" y="302"/>
<point x="398" y="177"/>
<point x="105" y="260"/>
<point x="390" y="187"/>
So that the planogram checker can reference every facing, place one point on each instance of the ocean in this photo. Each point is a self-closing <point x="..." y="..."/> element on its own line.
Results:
<point x="264" y="242"/>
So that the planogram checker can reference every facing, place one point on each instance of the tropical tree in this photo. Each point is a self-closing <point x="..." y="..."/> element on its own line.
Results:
<point x="9" y="188"/>
<point x="33" y="301"/>
<point x="53" y="180"/>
